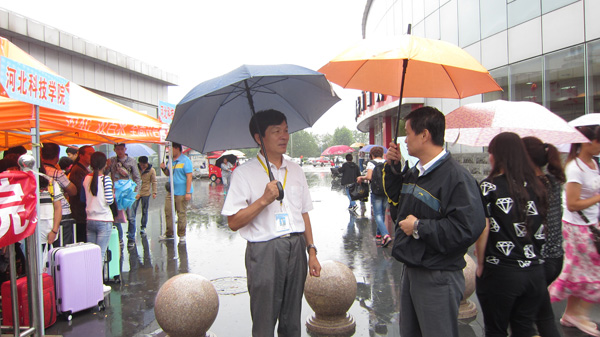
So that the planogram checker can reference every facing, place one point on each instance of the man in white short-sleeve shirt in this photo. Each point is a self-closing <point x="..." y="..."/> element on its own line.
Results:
<point x="278" y="232"/>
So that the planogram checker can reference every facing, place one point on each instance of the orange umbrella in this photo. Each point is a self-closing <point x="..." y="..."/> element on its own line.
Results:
<point x="433" y="68"/>
<point x="410" y="66"/>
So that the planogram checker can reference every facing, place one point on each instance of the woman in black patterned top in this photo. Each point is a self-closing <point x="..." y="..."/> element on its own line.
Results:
<point x="546" y="155"/>
<point x="510" y="275"/>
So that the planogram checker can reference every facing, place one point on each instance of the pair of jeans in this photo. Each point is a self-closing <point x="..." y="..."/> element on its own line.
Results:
<point x="130" y="223"/>
<point x="379" y="203"/>
<point x="98" y="232"/>
<point x="352" y="202"/>
<point x="145" y="201"/>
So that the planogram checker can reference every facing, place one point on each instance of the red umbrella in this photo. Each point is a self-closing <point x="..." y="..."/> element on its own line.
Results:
<point x="337" y="149"/>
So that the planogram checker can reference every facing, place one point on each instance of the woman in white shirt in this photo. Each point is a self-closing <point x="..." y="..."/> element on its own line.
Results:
<point x="579" y="281"/>
<point x="99" y="195"/>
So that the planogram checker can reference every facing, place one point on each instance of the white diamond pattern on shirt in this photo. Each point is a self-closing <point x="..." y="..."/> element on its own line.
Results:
<point x="528" y="251"/>
<point x="492" y="260"/>
<point x="487" y="187"/>
<point x="494" y="226"/>
<point x="505" y="247"/>
<point x="505" y="204"/>
<point x="540" y="233"/>
<point x="531" y="209"/>
<point x="520" y="229"/>
<point x="524" y="264"/>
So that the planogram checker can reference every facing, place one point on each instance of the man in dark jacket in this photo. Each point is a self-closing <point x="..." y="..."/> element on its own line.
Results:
<point x="349" y="171"/>
<point x="78" y="172"/>
<point x="440" y="215"/>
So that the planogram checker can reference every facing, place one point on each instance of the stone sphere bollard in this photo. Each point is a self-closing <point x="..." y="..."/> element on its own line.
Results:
<point x="186" y="305"/>
<point x="330" y="296"/>
<point x="468" y="309"/>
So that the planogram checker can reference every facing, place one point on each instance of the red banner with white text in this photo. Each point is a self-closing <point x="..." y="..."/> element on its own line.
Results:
<point x="18" y="216"/>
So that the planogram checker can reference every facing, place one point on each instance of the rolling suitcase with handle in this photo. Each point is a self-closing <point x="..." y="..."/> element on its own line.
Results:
<point x="22" y="296"/>
<point x="112" y="259"/>
<point x="77" y="272"/>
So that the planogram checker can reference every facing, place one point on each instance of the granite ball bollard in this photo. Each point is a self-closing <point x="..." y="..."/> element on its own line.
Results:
<point x="468" y="309"/>
<point x="330" y="296"/>
<point x="186" y="305"/>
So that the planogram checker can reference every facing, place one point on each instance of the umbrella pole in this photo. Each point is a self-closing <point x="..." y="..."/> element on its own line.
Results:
<point x="404" y="66"/>
<point x="262" y="146"/>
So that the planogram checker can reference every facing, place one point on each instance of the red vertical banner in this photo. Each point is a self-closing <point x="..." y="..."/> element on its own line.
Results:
<point x="18" y="216"/>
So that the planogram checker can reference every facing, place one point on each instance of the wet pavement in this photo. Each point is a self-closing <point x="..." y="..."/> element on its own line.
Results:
<point x="217" y="253"/>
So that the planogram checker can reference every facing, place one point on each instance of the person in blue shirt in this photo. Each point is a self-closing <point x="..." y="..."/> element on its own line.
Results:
<point x="183" y="189"/>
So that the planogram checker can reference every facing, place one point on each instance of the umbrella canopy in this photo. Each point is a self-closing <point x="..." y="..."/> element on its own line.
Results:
<point x="236" y="153"/>
<point x="136" y="150"/>
<point x="215" y="114"/>
<point x="357" y="144"/>
<point x="476" y="124"/>
<point x="230" y="158"/>
<point x="337" y="149"/>
<point x="434" y="68"/>
<point x="91" y="119"/>
<point x="368" y="148"/>
<point x="589" y="119"/>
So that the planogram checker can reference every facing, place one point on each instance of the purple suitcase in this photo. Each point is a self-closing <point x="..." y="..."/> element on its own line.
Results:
<point x="77" y="272"/>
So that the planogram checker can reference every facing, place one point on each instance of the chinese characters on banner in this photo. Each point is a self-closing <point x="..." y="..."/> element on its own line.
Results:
<point x="23" y="83"/>
<point x="18" y="216"/>
<point x="166" y="112"/>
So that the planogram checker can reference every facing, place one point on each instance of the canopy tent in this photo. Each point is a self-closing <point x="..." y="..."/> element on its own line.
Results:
<point x="90" y="119"/>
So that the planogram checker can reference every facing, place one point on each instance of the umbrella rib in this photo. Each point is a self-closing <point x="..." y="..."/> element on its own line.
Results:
<point x="453" y="85"/>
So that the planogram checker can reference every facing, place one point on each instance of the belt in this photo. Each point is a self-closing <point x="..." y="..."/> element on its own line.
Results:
<point x="291" y="234"/>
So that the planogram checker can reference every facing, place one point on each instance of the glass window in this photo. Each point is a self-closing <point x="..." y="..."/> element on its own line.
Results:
<point x="526" y="81"/>
<point x="468" y="22"/>
<point x="565" y="84"/>
<point x="594" y="76"/>
<point x="501" y="77"/>
<point x="493" y="17"/>
<point x="550" y="5"/>
<point x="520" y="11"/>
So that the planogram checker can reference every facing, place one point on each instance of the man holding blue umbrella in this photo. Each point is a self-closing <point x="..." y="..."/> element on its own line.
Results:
<point x="278" y="229"/>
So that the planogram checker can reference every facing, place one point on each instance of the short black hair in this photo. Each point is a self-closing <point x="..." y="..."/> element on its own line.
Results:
<point x="265" y="118"/>
<point x="119" y="144"/>
<point x="19" y="150"/>
<point x="65" y="162"/>
<point x="431" y="119"/>
<point x="72" y="150"/>
<point x="143" y="160"/>
<point x="349" y="157"/>
<point x="50" y="151"/>
<point x="178" y="146"/>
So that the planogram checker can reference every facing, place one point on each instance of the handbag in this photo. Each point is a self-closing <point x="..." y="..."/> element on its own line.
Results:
<point x="593" y="230"/>
<point x="359" y="191"/>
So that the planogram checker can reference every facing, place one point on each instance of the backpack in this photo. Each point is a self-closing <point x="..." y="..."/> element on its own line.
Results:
<point x="377" y="179"/>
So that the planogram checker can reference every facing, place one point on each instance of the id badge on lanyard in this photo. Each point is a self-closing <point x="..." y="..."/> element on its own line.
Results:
<point x="282" y="221"/>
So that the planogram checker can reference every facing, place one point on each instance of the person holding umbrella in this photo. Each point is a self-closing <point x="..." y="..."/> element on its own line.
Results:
<point x="226" y="169"/>
<point x="278" y="232"/>
<point x="439" y="217"/>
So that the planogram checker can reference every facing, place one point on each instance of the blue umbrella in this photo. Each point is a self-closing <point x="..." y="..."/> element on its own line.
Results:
<point x="367" y="148"/>
<point x="215" y="114"/>
<point x="136" y="150"/>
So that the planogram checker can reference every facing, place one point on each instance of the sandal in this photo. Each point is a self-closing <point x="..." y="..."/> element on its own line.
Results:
<point x="386" y="241"/>
<point x="580" y="323"/>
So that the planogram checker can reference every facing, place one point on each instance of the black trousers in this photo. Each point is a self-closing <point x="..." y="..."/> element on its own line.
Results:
<point x="545" y="321"/>
<point x="511" y="296"/>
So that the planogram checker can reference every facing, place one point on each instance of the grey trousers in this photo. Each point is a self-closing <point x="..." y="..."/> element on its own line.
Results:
<point x="429" y="302"/>
<point x="276" y="271"/>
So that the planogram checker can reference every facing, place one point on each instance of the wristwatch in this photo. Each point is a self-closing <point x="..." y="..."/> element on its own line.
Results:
<point x="416" y="229"/>
<point x="311" y="246"/>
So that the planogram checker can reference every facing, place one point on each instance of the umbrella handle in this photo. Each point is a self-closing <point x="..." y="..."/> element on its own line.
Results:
<point x="280" y="188"/>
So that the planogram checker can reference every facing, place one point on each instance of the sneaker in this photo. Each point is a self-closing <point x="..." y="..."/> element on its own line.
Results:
<point x="378" y="237"/>
<point x="182" y="239"/>
<point x="143" y="231"/>
<point x="106" y="289"/>
<point x="165" y="237"/>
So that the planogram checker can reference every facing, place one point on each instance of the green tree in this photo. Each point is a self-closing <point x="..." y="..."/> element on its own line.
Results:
<point x="342" y="136"/>
<point x="360" y="137"/>
<point x="303" y="143"/>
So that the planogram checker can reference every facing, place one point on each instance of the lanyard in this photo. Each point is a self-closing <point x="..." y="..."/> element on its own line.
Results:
<point x="267" y="171"/>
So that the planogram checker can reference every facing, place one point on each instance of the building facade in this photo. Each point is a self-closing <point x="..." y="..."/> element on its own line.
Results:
<point x="544" y="51"/>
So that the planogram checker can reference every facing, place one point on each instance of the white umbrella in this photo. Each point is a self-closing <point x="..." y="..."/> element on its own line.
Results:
<point x="236" y="153"/>
<point x="476" y="124"/>
<point x="589" y="119"/>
